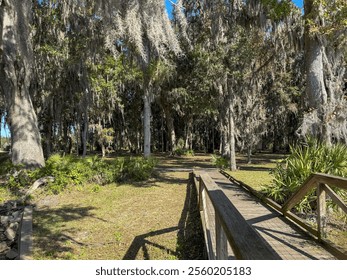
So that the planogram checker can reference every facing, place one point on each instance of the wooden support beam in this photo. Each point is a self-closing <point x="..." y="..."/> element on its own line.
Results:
<point x="322" y="211"/>
<point x="221" y="241"/>
<point x="331" y="180"/>
<point x="307" y="186"/>
<point x="335" y="198"/>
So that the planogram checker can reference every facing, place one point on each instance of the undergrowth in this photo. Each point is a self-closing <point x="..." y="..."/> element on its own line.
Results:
<point x="305" y="159"/>
<point x="71" y="170"/>
<point x="184" y="152"/>
<point x="219" y="161"/>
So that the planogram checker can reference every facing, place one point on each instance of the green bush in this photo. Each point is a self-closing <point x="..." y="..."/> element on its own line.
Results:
<point x="6" y="166"/>
<point x="137" y="168"/>
<point x="71" y="170"/>
<point x="305" y="159"/>
<point x="219" y="161"/>
<point x="184" y="152"/>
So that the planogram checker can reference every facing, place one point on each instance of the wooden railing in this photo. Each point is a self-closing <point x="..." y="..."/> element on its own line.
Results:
<point x="218" y="214"/>
<point x="323" y="184"/>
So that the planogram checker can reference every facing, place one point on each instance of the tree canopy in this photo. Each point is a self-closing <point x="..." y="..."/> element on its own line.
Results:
<point x="219" y="77"/>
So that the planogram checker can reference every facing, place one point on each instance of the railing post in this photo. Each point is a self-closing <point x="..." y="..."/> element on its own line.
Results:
<point x="321" y="209"/>
<point x="221" y="241"/>
<point x="201" y="195"/>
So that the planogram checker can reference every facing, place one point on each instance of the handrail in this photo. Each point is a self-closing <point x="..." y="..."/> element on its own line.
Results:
<point x="313" y="180"/>
<point x="268" y="201"/>
<point x="231" y="227"/>
<point x="321" y="182"/>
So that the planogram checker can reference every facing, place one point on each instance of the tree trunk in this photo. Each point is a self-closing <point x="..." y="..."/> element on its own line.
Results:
<point x="48" y="137"/>
<point x="171" y="129"/>
<point x="249" y="154"/>
<point x="316" y="93"/>
<point x="188" y="145"/>
<point x="15" y="79"/>
<point x="147" y="124"/>
<point x="103" y="150"/>
<point x="85" y="133"/>
<point x="232" y="156"/>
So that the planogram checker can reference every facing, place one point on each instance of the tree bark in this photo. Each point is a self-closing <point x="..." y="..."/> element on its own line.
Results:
<point x="225" y="147"/>
<point x="171" y="129"/>
<point x="147" y="113"/>
<point x="232" y="156"/>
<point x="85" y="133"/>
<point x="15" y="79"/>
<point x="316" y="93"/>
<point x="189" y="135"/>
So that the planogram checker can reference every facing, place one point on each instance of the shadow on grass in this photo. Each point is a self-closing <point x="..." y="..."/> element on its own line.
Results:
<point x="52" y="242"/>
<point x="197" y="161"/>
<point x="254" y="168"/>
<point x="190" y="239"/>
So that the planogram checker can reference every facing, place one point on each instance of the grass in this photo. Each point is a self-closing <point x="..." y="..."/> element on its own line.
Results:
<point x="129" y="221"/>
<point x="258" y="173"/>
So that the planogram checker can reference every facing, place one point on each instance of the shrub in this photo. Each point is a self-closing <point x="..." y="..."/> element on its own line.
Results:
<point x="183" y="152"/>
<point x="137" y="168"/>
<point x="305" y="159"/>
<point x="70" y="170"/>
<point x="6" y="166"/>
<point x="219" y="161"/>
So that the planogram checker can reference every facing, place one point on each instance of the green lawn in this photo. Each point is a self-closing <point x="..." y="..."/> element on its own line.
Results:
<point x="257" y="173"/>
<point x="148" y="220"/>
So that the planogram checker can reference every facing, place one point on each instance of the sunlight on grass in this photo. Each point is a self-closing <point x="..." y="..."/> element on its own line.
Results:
<point x="258" y="173"/>
<point x="135" y="220"/>
<point x="254" y="179"/>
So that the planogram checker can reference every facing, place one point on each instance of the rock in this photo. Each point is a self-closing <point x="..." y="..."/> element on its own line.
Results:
<point x="10" y="233"/>
<point x="2" y="237"/>
<point x="14" y="226"/>
<point x="4" y="220"/>
<point x="12" y="254"/>
<point x="16" y="214"/>
<point x="11" y="205"/>
<point x="11" y="214"/>
<point x="3" y="247"/>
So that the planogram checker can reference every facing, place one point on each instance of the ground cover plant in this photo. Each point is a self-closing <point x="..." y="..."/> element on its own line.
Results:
<point x="72" y="170"/>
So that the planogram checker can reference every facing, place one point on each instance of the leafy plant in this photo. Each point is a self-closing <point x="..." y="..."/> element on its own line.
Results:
<point x="184" y="152"/>
<point x="219" y="161"/>
<point x="70" y="170"/>
<point x="137" y="168"/>
<point x="305" y="159"/>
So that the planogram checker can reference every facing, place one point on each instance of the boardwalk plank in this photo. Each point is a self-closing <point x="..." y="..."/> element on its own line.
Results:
<point x="287" y="240"/>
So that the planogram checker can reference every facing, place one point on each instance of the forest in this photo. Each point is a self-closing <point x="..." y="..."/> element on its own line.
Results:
<point x="223" y="77"/>
<point x="120" y="75"/>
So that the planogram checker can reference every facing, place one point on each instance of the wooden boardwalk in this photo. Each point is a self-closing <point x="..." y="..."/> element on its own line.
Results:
<point x="287" y="240"/>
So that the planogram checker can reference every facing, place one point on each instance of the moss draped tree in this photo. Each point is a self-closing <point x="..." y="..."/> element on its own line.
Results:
<point x="16" y="73"/>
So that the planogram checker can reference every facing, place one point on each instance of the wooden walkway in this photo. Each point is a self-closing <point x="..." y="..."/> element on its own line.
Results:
<point x="287" y="240"/>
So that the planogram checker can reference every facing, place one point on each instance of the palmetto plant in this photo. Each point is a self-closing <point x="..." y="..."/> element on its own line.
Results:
<point x="306" y="158"/>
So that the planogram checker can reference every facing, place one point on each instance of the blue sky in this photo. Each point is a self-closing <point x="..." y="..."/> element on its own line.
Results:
<point x="299" y="3"/>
